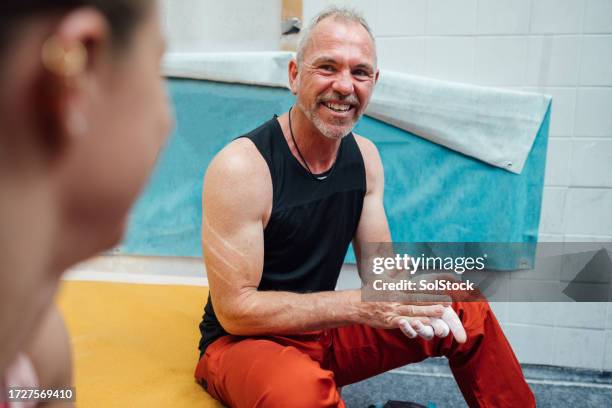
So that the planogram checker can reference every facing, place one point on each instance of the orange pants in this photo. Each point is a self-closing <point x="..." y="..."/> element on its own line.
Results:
<point x="305" y="371"/>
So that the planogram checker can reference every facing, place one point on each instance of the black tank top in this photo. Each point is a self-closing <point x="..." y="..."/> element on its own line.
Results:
<point x="311" y="224"/>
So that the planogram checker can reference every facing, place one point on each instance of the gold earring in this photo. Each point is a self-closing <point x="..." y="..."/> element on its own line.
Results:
<point x="61" y="61"/>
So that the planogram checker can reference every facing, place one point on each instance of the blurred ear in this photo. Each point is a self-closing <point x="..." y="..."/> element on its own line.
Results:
<point x="73" y="59"/>
<point x="376" y="76"/>
<point x="293" y="76"/>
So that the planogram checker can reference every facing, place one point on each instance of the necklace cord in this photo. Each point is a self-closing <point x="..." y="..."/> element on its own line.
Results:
<point x="296" y="145"/>
<point x="329" y="172"/>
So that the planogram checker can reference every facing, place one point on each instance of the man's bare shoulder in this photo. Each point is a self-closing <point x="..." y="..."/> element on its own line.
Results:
<point x="371" y="160"/>
<point x="239" y="158"/>
<point x="237" y="175"/>
<point x="369" y="151"/>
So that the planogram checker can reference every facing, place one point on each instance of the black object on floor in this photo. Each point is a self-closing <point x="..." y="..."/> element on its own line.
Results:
<point x="401" y="404"/>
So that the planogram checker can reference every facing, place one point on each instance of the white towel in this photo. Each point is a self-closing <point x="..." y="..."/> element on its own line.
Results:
<point x="252" y="68"/>
<point x="493" y="125"/>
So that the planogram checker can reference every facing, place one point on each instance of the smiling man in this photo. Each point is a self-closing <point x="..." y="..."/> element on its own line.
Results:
<point x="280" y="207"/>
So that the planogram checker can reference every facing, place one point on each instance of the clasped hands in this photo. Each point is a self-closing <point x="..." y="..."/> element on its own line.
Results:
<point x="441" y="326"/>
<point x="423" y="314"/>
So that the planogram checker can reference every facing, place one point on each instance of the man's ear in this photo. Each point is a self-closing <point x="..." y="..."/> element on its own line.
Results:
<point x="71" y="59"/>
<point x="376" y="76"/>
<point x="293" y="75"/>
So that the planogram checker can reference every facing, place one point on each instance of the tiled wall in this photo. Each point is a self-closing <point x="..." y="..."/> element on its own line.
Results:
<point x="220" y="26"/>
<point x="559" y="47"/>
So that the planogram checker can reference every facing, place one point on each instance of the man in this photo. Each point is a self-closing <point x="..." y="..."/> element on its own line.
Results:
<point x="280" y="207"/>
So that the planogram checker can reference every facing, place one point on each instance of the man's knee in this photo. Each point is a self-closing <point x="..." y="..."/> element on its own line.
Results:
<point x="474" y="316"/>
<point x="261" y="373"/>
<point x="299" y="382"/>
<point x="479" y="323"/>
<point x="305" y="388"/>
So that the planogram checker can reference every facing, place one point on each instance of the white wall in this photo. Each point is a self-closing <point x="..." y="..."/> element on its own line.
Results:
<point x="559" y="47"/>
<point x="222" y="26"/>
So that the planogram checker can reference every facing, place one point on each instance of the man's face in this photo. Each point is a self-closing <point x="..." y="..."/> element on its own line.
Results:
<point x="335" y="80"/>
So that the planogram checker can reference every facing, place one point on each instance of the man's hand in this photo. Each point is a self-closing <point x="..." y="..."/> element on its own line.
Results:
<point x="438" y="326"/>
<point x="424" y="320"/>
<point x="386" y="315"/>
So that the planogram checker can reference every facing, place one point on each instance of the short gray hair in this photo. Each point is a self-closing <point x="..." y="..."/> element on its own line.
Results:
<point x="338" y="13"/>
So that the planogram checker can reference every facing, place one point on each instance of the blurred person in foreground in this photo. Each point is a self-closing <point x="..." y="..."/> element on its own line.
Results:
<point x="83" y="115"/>
<point x="281" y="206"/>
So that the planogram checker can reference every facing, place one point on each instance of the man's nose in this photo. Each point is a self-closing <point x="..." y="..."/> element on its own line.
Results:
<point x="343" y="83"/>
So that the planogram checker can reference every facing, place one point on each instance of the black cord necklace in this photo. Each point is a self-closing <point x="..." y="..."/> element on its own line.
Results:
<point x="318" y="178"/>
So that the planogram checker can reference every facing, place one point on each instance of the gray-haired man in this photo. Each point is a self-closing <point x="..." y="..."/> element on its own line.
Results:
<point x="281" y="206"/>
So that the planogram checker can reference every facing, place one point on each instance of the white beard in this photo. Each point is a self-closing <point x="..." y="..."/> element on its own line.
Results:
<point x="330" y="132"/>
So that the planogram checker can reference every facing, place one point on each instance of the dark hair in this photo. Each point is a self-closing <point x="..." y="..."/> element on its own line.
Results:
<point x="122" y="15"/>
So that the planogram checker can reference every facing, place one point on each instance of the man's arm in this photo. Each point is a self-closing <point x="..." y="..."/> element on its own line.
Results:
<point x="237" y="200"/>
<point x="374" y="228"/>
<point x="373" y="225"/>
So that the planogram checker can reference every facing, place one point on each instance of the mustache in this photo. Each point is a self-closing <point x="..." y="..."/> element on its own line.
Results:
<point x="334" y="96"/>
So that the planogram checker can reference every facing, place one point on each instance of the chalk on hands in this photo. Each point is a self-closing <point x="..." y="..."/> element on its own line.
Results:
<point x="424" y="331"/>
<point x="407" y="329"/>
<point x="454" y="323"/>
<point x="440" y="327"/>
<point x="449" y="322"/>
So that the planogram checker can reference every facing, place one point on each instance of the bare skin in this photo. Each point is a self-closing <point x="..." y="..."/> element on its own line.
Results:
<point x="51" y="355"/>
<point x="338" y="67"/>
<point x="75" y="151"/>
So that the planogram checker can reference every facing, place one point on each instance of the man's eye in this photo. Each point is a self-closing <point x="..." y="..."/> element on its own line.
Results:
<point x="327" y="68"/>
<point x="361" y="72"/>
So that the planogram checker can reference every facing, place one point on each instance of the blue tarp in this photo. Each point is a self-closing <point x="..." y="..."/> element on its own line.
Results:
<point x="432" y="194"/>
